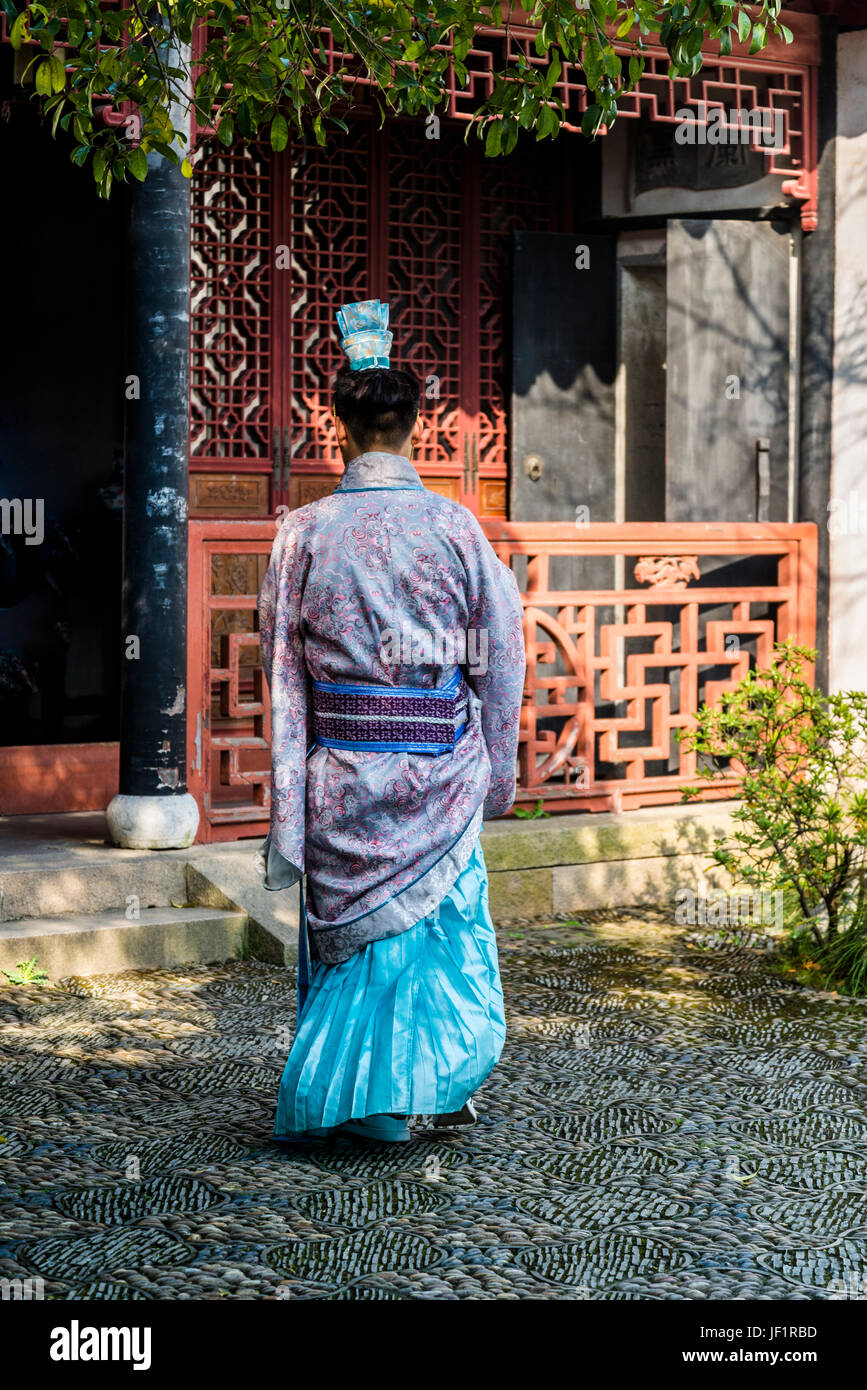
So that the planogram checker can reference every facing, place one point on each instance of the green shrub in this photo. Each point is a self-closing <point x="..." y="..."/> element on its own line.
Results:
<point x="801" y="827"/>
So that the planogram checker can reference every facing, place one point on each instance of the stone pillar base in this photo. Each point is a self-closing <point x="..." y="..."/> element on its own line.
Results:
<point x="153" y="822"/>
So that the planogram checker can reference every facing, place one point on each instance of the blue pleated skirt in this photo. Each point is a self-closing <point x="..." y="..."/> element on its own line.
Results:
<point x="408" y="1026"/>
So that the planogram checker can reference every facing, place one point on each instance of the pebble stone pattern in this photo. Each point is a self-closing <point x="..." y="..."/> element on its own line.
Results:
<point x="670" y="1120"/>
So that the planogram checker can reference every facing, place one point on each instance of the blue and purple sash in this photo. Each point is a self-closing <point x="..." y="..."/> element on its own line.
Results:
<point x="390" y="719"/>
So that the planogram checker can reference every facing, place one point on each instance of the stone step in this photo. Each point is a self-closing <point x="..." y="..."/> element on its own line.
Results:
<point x="102" y="943"/>
<point x="46" y="885"/>
<point x="225" y="876"/>
<point x="574" y="863"/>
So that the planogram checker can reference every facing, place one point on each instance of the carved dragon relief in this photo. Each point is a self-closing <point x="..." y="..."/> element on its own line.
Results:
<point x="667" y="571"/>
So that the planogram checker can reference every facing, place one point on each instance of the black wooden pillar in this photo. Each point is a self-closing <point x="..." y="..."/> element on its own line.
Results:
<point x="153" y="809"/>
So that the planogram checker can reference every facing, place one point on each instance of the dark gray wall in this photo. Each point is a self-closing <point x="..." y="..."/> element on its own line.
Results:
<point x="61" y="414"/>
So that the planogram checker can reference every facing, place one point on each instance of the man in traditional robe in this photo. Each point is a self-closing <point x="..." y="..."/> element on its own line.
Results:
<point x="392" y="641"/>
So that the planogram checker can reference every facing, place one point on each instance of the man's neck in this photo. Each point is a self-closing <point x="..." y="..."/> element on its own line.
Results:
<point x="379" y="468"/>
<point x="403" y="453"/>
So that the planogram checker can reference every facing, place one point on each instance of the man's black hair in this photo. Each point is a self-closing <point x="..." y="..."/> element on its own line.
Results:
<point x="378" y="405"/>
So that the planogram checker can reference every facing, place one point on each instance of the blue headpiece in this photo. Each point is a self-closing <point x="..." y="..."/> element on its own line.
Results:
<point x="365" y="338"/>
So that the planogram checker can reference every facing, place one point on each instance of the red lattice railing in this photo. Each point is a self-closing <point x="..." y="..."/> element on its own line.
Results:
<point x="612" y="672"/>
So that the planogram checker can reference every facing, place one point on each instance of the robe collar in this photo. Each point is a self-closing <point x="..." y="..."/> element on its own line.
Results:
<point x="378" y="470"/>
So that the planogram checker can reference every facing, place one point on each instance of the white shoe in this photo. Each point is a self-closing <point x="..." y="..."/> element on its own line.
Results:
<point x="467" y="1116"/>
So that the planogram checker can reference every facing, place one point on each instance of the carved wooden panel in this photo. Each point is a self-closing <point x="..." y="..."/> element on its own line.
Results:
<point x="309" y="487"/>
<point x="492" y="497"/>
<point x="228" y="494"/>
<point x="446" y="487"/>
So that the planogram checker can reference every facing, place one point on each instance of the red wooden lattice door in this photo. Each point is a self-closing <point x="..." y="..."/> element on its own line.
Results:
<point x="280" y="241"/>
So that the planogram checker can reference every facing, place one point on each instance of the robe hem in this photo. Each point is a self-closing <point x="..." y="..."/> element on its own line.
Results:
<point x="338" y="941"/>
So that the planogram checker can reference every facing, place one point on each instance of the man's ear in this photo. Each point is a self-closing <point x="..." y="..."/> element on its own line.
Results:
<point x="419" y="431"/>
<point x="341" y="431"/>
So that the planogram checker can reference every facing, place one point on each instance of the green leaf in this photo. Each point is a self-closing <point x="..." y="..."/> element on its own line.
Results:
<point x="694" y="42"/>
<point x="591" y="119"/>
<point x="57" y="73"/>
<point x="758" y="39"/>
<point x="279" y="132"/>
<point x="43" y="78"/>
<point x="494" y="138"/>
<point x="592" y="61"/>
<point x="18" y="32"/>
<point x="225" y="130"/>
<point x="546" y="123"/>
<point x="785" y="33"/>
<point x="743" y="26"/>
<point x="527" y="114"/>
<point x="137" y="163"/>
<point x="186" y="169"/>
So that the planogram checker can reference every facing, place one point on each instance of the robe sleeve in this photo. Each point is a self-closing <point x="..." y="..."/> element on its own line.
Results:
<point x="280" y="859"/>
<point x="496" y="662"/>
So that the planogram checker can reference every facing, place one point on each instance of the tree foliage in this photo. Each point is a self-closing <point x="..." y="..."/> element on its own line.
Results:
<point x="267" y="64"/>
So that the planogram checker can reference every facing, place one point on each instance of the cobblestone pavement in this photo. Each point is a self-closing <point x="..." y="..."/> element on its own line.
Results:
<point x="669" y="1121"/>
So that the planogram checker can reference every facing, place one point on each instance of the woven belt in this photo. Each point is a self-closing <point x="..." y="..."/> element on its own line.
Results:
<point x="390" y="719"/>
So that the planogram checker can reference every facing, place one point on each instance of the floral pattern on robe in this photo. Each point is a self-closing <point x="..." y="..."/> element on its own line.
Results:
<point x="381" y="833"/>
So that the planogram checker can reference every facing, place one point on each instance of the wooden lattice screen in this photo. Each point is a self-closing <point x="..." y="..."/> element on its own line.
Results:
<point x="280" y="241"/>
